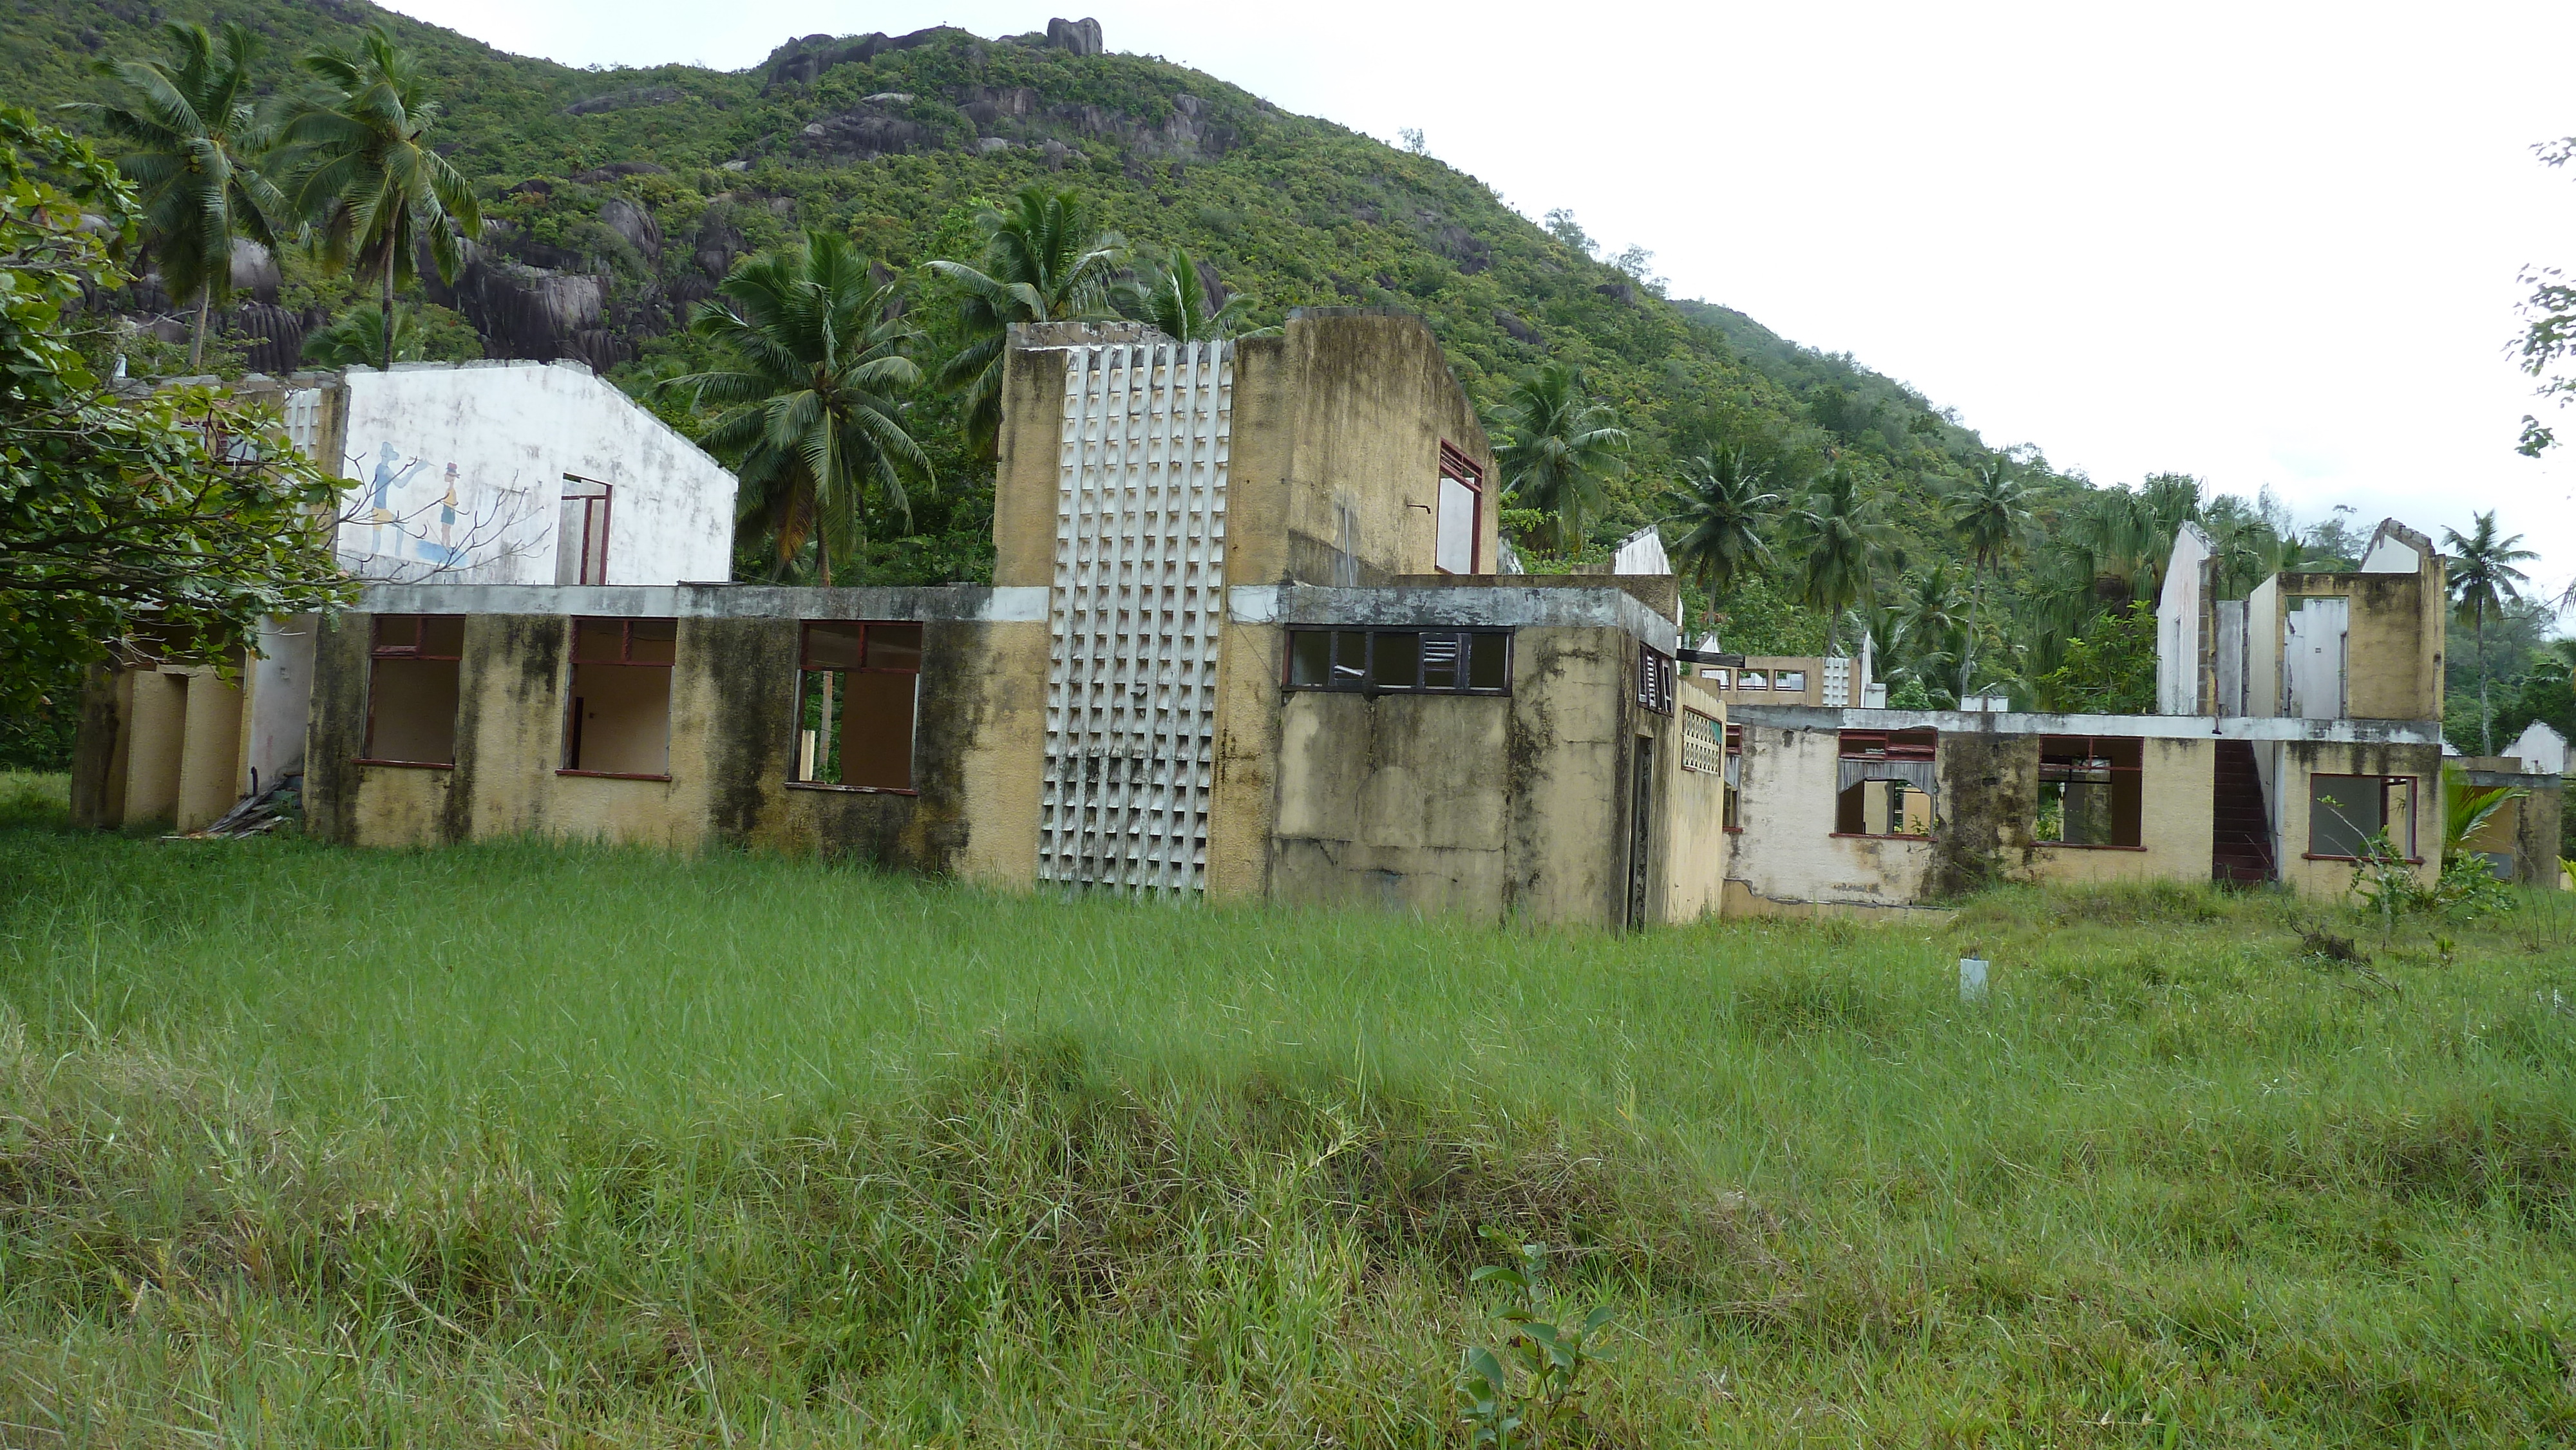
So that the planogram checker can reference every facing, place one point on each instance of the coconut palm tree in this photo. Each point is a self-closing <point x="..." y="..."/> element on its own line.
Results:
<point x="1838" y="532"/>
<point x="817" y="360"/>
<point x="358" y="158"/>
<point x="1173" y="297"/>
<point x="1991" y="515"/>
<point x="2483" y="580"/>
<point x="1928" y="624"/>
<point x="357" y="336"/>
<point x="1720" y="507"/>
<point x="1558" y="449"/>
<point x="191" y="135"/>
<point x="1042" y="262"/>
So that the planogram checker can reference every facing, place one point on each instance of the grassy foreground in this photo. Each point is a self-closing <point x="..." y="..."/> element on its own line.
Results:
<point x="533" y="1146"/>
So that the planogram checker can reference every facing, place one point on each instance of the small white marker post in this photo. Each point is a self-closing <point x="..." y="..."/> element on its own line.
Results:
<point x="1972" y="979"/>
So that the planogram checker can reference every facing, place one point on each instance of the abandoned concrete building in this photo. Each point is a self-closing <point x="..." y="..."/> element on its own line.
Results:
<point x="502" y="472"/>
<point x="1252" y="634"/>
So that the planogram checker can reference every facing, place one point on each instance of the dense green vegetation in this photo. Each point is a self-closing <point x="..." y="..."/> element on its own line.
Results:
<point x="519" y="1145"/>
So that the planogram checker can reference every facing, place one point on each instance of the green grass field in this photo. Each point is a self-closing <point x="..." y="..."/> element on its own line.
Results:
<point x="526" y="1145"/>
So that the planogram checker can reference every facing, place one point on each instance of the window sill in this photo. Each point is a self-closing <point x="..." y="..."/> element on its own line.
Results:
<point x="825" y="785"/>
<point x="2315" y="856"/>
<point x="610" y="775"/>
<point x="406" y="764"/>
<point x="1866" y="836"/>
<point x="2085" y="846"/>
<point x="1733" y="830"/>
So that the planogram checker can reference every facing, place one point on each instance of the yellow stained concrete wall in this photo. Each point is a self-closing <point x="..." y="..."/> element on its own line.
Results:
<point x="2331" y="879"/>
<point x="977" y="751"/>
<point x="1027" y="466"/>
<point x="1482" y="806"/>
<point x="2392" y="642"/>
<point x="1696" y="839"/>
<point x="2263" y="649"/>
<point x="1244" y="790"/>
<point x="156" y="749"/>
<point x="1343" y="413"/>
<point x="2177" y="793"/>
<point x="210" y="753"/>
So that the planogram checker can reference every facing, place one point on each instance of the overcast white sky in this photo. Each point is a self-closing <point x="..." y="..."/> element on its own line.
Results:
<point x="2266" y="244"/>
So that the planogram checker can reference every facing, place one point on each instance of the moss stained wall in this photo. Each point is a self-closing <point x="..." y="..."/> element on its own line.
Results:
<point x="732" y="741"/>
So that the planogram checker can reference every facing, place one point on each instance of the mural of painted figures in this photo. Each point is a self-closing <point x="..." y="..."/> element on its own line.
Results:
<point x="420" y="522"/>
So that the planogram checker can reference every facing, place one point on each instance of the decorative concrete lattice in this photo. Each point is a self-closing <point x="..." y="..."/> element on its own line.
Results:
<point x="304" y="425"/>
<point x="1135" y="613"/>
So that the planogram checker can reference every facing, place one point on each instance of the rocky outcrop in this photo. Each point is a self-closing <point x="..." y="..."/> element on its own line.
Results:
<point x="254" y="271"/>
<point x="615" y="169"/>
<point x="1082" y="37"/>
<point x="1517" y="326"/>
<point x="625" y="100"/>
<point x="533" y="312"/>
<point x="633" y="223"/>
<point x="801" y="60"/>
<point x="863" y="133"/>
<point x="270" y="337"/>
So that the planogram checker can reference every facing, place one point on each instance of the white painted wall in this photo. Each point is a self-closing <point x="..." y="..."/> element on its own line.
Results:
<point x="460" y="472"/>
<point x="2543" y="750"/>
<point x="2178" y="624"/>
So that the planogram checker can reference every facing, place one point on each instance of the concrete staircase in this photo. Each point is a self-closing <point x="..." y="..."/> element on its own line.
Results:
<point x="2241" y="830"/>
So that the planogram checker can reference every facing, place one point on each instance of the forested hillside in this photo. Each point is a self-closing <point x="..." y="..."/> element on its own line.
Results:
<point x="616" y="200"/>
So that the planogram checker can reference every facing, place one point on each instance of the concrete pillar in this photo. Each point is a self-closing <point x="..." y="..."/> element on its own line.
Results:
<point x="156" y="735"/>
<point x="210" y="752"/>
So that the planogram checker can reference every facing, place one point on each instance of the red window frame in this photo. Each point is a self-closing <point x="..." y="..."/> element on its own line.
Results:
<point x="625" y="656"/>
<point x="2065" y="758"/>
<point x="417" y="647"/>
<point x="601" y="503"/>
<point x="1457" y="465"/>
<point x="1916" y="744"/>
<point x="806" y="666"/>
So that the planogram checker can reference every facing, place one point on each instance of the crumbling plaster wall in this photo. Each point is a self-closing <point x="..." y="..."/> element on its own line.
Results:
<point x="2392" y="643"/>
<point x="976" y="742"/>
<point x="1338" y="420"/>
<point x="510" y="432"/>
<point x="1696" y="839"/>
<point x="1480" y="806"/>
<point x="1788" y="853"/>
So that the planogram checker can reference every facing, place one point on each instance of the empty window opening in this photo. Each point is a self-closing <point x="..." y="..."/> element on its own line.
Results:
<point x="1884" y="783"/>
<point x="857" y="698"/>
<point x="1461" y="516"/>
<point x="412" y="671"/>
<point x="1716" y="678"/>
<point x="1655" y="680"/>
<point x="2347" y="815"/>
<point x="619" y="722"/>
<point x="1753" y="680"/>
<point x="1789" y="680"/>
<point x="581" y="537"/>
<point x="1430" y="661"/>
<point x="2089" y="790"/>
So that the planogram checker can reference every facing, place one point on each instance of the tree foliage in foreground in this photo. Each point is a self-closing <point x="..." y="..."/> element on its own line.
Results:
<point x="171" y="521"/>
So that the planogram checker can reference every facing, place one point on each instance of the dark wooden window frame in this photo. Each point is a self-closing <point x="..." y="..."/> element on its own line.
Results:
<point x="1367" y="683"/>
<point x="1657" y="680"/>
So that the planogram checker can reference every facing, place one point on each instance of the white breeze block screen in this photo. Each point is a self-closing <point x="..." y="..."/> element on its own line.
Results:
<point x="1138" y="599"/>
